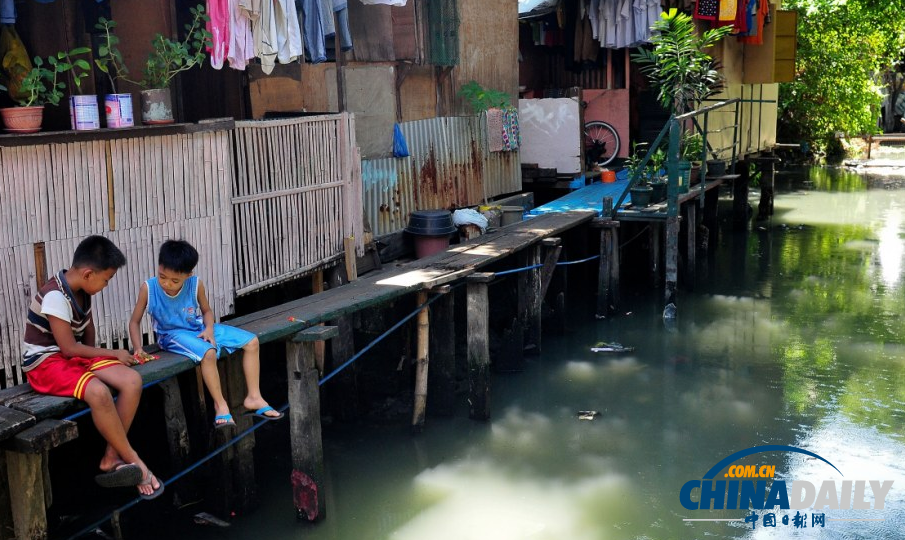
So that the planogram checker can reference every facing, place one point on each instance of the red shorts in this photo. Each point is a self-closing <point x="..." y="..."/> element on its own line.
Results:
<point x="61" y="376"/>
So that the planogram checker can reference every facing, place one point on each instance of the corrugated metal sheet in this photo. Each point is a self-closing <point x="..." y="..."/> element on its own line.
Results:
<point x="449" y="166"/>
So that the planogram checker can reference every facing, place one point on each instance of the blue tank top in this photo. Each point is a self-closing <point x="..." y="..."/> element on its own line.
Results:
<point x="180" y="312"/>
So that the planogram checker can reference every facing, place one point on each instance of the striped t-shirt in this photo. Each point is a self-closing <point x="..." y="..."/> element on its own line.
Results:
<point x="57" y="299"/>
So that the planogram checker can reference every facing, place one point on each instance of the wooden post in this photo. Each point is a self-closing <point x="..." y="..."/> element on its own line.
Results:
<point x="552" y="248"/>
<point x="655" y="242"/>
<point x="765" y="207"/>
<point x="529" y="287"/>
<point x="672" y="220"/>
<point x="305" y="414"/>
<point x="26" y="481"/>
<point x="740" y="198"/>
<point x="478" y="320"/>
<point x="691" y="239"/>
<point x="608" y="267"/>
<point x="244" y="490"/>
<point x="6" y="514"/>
<point x="421" y="364"/>
<point x="711" y="217"/>
<point x="441" y="382"/>
<point x="317" y="286"/>
<point x="177" y="434"/>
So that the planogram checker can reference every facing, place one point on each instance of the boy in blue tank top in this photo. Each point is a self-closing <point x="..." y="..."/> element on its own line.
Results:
<point x="184" y="324"/>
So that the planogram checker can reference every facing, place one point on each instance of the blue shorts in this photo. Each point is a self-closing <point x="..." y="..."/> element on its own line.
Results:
<point x="229" y="339"/>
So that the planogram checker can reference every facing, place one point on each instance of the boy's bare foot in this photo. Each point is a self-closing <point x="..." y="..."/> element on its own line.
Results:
<point x="150" y="487"/>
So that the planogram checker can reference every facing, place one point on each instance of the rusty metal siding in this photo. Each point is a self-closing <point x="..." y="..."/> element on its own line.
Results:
<point x="449" y="166"/>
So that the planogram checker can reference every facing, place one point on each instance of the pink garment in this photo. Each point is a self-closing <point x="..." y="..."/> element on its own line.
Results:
<point x="218" y="26"/>
<point x="241" y="39"/>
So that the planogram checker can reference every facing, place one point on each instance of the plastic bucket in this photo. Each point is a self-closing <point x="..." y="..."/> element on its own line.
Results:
<point x="118" y="108"/>
<point x="83" y="113"/>
<point x="684" y="176"/>
<point x="512" y="214"/>
<point x="426" y="246"/>
<point x="431" y="223"/>
<point x="608" y="177"/>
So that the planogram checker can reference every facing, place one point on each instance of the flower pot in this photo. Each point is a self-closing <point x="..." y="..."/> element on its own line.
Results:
<point x="716" y="167"/>
<point x="156" y="106"/>
<point x="512" y="214"/>
<point x="659" y="190"/>
<point x="22" y="119"/>
<point x="694" y="175"/>
<point x="83" y="113"/>
<point x="641" y="196"/>
<point x="118" y="109"/>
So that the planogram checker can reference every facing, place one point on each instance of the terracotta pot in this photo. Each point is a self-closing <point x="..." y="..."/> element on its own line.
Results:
<point x="156" y="106"/>
<point x="22" y="119"/>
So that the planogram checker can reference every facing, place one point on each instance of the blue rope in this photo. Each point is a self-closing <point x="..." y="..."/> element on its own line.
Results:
<point x="532" y="267"/>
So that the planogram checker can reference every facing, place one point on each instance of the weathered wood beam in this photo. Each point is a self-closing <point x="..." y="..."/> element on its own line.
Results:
<point x="478" y="345"/>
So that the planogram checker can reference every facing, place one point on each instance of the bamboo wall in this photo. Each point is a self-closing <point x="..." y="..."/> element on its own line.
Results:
<point x="302" y="176"/>
<point x="262" y="203"/>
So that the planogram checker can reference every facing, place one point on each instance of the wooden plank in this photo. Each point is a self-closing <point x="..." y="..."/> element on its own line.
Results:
<point x="45" y="435"/>
<point x="13" y="421"/>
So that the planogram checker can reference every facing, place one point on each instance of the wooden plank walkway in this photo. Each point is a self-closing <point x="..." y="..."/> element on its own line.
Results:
<point x="451" y="265"/>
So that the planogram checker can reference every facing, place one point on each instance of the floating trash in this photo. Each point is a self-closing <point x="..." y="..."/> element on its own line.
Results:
<point x="611" y="347"/>
<point x="588" y="415"/>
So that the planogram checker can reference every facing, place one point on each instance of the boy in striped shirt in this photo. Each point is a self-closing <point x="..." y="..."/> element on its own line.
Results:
<point x="60" y="359"/>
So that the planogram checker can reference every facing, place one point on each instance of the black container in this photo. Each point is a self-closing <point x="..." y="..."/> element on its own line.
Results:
<point x="431" y="223"/>
<point x="716" y="167"/>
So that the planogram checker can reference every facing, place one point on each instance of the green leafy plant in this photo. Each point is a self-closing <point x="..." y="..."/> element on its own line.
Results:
<point x="655" y="165"/>
<point x="692" y="146"/>
<point x="632" y="163"/>
<point x="41" y="86"/>
<point x="109" y="60"/>
<point x="78" y="68"/>
<point x="170" y="57"/>
<point x="481" y="98"/>
<point x="677" y="65"/>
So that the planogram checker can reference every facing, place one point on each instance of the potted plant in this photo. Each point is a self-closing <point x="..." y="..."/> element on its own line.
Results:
<point x="655" y="174"/>
<point x="677" y="65"/>
<point x="117" y="106"/>
<point x="692" y="150"/>
<point x="83" y="114"/>
<point x="40" y="87"/>
<point x="167" y="59"/>
<point x="641" y="193"/>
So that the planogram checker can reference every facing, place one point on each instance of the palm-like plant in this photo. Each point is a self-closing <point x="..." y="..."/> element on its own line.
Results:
<point x="677" y="65"/>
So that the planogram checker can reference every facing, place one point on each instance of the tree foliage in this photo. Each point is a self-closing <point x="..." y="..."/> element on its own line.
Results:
<point x="844" y="47"/>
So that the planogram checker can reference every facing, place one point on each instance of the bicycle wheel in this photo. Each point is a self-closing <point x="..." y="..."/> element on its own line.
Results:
<point x="601" y="142"/>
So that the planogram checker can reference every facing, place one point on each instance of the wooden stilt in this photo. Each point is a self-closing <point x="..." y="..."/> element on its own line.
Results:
<point x="317" y="286"/>
<point x="765" y="207"/>
<point x="421" y="364"/>
<point x="740" y="198"/>
<point x="529" y="289"/>
<point x="691" y="242"/>
<point x="26" y="480"/>
<point x="6" y="515"/>
<point x="177" y="433"/>
<point x="711" y="218"/>
<point x="305" y="420"/>
<point x="441" y="382"/>
<point x="655" y="243"/>
<point x="552" y="248"/>
<point x="244" y="490"/>
<point x="672" y="259"/>
<point x="478" y="321"/>
<point x="608" y="267"/>
<point x="341" y="395"/>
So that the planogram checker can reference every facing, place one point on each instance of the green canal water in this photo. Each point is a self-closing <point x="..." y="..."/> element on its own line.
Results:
<point x="794" y="335"/>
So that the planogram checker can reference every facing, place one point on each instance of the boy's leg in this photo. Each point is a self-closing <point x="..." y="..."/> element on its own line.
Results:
<point x="127" y="383"/>
<point x="106" y="418"/>
<point x="212" y="381"/>
<point x="251" y="365"/>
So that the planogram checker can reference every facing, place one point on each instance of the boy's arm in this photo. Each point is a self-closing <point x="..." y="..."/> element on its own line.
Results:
<point x="207" y="315"/>
<point x="69" y="347"/>
<point x="141" y="304"/>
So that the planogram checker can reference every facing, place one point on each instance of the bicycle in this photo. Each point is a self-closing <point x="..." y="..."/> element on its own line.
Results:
<point x="601" y="143"/>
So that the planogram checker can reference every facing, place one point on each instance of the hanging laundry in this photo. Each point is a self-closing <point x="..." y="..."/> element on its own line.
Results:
<point x="512" y="136"/>
<point x="341" y="7"/>
<point x="326" y="11"/>
<point x="756" y="32"/>
<point x="495" y="130"/>
<point x="594" y="16"/>
<point x="7" y="12"/>
<point x="277" y="34"/>
<point x="646" y="12"/>
<point x="241" y="40"/>
<point x="217" y="24"/>
<point x="314" y="31"/>
<point x="707" y="10"/>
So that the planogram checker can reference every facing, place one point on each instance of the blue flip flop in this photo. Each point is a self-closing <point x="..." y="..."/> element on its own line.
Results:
<point x="227" y="420"/>
<point x="122" y="475"/>
<point x="260" y="413"/>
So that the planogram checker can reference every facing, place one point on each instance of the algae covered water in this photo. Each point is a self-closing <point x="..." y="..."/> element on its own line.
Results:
<point x="793" y="336"/>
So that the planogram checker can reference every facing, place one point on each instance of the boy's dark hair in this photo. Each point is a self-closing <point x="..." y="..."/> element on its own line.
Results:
<point x="178" y="256"/>
<point x="99" y="254"/>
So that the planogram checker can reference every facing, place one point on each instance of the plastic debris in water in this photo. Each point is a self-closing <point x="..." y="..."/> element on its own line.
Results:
<point x="304" y="495"/>
<point x="588" y="415"/>
<point x="610" y="347"/>
<point x="203" y="518"/>
<point x="669" y="312"/>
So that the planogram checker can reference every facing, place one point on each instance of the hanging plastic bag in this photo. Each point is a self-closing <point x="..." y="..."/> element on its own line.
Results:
<point x="400" y="148"/>
<point x="383" y="2"/>
<point x="15" y="62"/>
